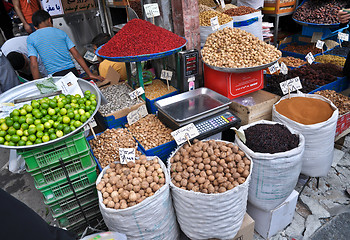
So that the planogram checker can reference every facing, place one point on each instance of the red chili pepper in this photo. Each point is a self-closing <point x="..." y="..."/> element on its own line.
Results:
<point x="140" y="37"/>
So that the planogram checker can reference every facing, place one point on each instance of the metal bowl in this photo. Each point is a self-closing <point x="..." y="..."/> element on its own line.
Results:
<point x="29" y="89"/>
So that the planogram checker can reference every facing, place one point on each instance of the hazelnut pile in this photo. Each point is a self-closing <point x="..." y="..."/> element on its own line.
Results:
<point x="209" y="167"/>
<point x="124" y="186"/>
<point x="236" y="48"/>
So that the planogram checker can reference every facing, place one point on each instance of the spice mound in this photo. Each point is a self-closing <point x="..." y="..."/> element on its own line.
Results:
<point x="305" y="110"/>
<point x="139" y="37"/>
<point x="270" y="138"/>
<point x="339" y="100"/>
<point x="209" y="167"/>
<point x="124" y="186"/>
<point x="236" y="48"/>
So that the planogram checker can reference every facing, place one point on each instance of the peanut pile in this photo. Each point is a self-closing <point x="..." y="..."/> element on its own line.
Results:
<point x="292" y="61"/>
<point x="239" y="11"/>
<point x="209" y="167"/>
<point x="157" y="89"/>
<point x="106" y="146"/>
<point x="150" y="132"/>
<point x="204" y="18"/>
<point x="236" y="48"/>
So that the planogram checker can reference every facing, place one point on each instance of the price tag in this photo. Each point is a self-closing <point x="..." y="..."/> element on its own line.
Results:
<point x="180" y="134"/>
<point x="215" y="23"/>
<point x="152" y="10"/>
<point x="284" y="68"/>
<point x="126" y="155"/>
<point x="166" y="75"/>
<point x="294" y="84"/>
<point x="222" y="2"/>
<point x="316" y="36"/>
<point x="310" y="58"/>
<point x="92" y="123"/>
<point x="274" y="68"/>
<point x="136" y="115"/>
<point x="134" y="94"/>
<point x="343" y="36"/>
<point x="320" y="44"/>
<point x="191" y="79"/>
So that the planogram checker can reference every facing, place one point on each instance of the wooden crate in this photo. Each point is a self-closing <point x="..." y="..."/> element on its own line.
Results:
<point x="278" y="8"/>
<point x="261" y="110"/>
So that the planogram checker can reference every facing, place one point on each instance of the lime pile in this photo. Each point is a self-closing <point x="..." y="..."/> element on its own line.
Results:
<point x="46" y="119"/>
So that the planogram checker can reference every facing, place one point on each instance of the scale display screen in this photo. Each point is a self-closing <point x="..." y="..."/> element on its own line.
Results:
<point x="191" y="64"/>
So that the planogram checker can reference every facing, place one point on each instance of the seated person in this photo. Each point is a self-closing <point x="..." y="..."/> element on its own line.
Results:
<point x="344" y="18"/>
<point x="15" y="49"/>
<point x="53" y="46"/>
<point x="8" y="77"/>
<point x="98" y="41"/>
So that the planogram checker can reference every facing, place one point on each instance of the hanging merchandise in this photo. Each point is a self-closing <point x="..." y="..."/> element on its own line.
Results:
<point x="276" y="151"/>
<point x="316" y="118"/>
<point x="212" y="202"/>
<point x="143" y="208"/>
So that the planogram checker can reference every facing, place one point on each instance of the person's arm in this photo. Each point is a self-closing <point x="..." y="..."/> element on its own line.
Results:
<point x="18" y="10"/>
<point x="344" y="17"/>
<point x="34" y="68"/>
<point x="82" y="63"/>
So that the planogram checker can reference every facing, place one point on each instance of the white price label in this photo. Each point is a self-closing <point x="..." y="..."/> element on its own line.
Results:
<point x="215" y="23"/>
<point x="310" y="58"/>
<point x="284" y="68"/>
<point x="180" y="134"/>
<point x="191" y="79"/>
<point x="274" y="68"/>
<point x="134" y="94"/>
<point x="343" y="36"/>
<point x="136" y="115"/>
<point x="152" y="10"/>
<point x="320" y="44"/>
<point x="126" y="155"/>
<point x="294" y="84"/>
<point x="92" y="123"/>
<point x="222" y="2"/>
<point x="166" y="75"/>
<point x="316" y="36"/>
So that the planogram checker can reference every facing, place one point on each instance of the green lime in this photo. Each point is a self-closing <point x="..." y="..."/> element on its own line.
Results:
<point x="59" y="119"/>
<point x="72" y="128"/>
<point x="31" y="130"/>
<point x="46" y="134"/>
<point x="51" y="121"/>
<point x="8" y="138"/>
<point x="29" y="115"/>
<point x="15" y="118"/>
<point x="45" y="105"/>
<point x="44" y="112"/>
<point x="77" y="96"/>
<point x="87" y="92"/>
<point x="2" y="133"/>
<point x="22" y="119"/>
<point x="72" y="122"/>
<point x="77" y="117"/>
<point x="81" y="100"/>
<point x="77" y="124"/>
<point x="60" y="104"/>
<point x="19" y="133"/>
<point x="55" y="121"/>
<point x="11" y="131"/>
<point x="68" y="106"/>
<point x="21" y="143"/>
<point x="44" y="119"/>
<point x="82" y="106"/>
<point x="40" y="127"/>
<point x="25" y="133"/>
<point x="12" y="143"/>
<point x="51" y="112"/>
<point x="62" y="95"/>
<point x="83" y="118"/>
<point x="2" y="120"/>
<point x="37" y="121"/>
<point x="23" y="112"/>
<point x="28" y="143"/>
<point x="15" y="112"/>
<point x="55" y="125"/>
<point x="24" y="138"/>
<point x="4" y="127"/>
<point x="92" y="108"/>
<point x="64" y="101"/>
<point x="88" y="114"/>
<point x="87" y="108"/>
<point x="39" y="134"/>
<point x="63" y="111"/>
<point x="66" y="130"/>
<point x="46" y="138"/>
<point x="35" y="104"/>
<point x="25" y="126"/>
<point x="38" y="115"/>
<point x="53" y="136"/>
<point x="81" y="111"/>
<point x="28" y="108"/>
<point x="15" y="138"/>
<point x="59" y="133"/>
<point x="93" y="103"/>
<point x="92" y="97"/>
<point x="51" y="131"/>
<point x="9" y="122"/>
<point x="73" y="100"/>
<point x="2" y="140"/>
<point x="16" y="125"/>
<point x="59" y="126"/>
<point x="52" y="103"/>
<point x="71" y="115"/>
<point x="6" y="143"/>
<point x="66" y="119"/>
<point x="30" y="121"/>
<point x="32" y="138"/>
<point x="57" y="109"/>
<point x="38" y="141"/>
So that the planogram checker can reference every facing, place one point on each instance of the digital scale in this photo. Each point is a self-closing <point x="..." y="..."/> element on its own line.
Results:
<point x="206" y="109"/>
<point x="189" y="68"/>
<point x="91" y="57"/>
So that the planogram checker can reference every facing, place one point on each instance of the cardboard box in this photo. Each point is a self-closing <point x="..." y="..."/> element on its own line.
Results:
<point x="261" y="110"/>
<point x="246" y="232"/>
<point x="268" y="223"/>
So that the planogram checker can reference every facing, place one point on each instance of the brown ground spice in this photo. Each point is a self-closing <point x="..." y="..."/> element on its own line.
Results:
<point x="305" y="110"/>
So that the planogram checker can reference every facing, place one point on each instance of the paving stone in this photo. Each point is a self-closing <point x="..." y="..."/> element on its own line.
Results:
<point x="296" y="228"/>
<point x="337" y="156"/>
<point x="312" y="224"/>
<point x="337" y="228"/>
<point x="315" y="208"/>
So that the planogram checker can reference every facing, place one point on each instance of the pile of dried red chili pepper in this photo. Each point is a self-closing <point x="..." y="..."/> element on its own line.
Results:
<point x="139" y="37"/>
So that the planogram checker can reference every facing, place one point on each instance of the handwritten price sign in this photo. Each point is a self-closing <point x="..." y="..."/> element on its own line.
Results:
<point x="126" y="155"/>
<point x="293" y="84"/>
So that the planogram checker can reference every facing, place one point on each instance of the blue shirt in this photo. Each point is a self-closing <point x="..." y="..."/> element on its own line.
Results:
<point x="52" y="45"/>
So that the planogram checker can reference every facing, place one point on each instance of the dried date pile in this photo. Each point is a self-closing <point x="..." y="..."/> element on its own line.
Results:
<point x="270" y="138"/>
<point x="302" y="49"/>
<point x="319" y="11"/>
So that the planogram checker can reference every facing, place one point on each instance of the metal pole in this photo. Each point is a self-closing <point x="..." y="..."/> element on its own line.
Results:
<point x="101" y="9"/>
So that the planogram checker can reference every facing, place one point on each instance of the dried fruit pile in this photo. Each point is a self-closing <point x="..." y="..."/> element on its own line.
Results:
<point x="340" y="101"/>
<point x="239" y="11"/>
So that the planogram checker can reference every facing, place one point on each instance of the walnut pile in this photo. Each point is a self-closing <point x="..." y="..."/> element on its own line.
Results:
<point x="339" y="100"/>
<point x="106" y="146"/>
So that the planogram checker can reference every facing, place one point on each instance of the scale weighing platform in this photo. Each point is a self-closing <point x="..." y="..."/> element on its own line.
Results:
<point x="206" y="109"/>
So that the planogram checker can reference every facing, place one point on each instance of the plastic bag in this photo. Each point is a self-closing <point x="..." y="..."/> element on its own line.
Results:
<point x="203" y="216"/>
<point x="153" y="218"/>
<point x="319" y="138"/>
<point x="274" y="176"/>
<point x="16" y="162"/>
<point x="205" y="31"/>
<point x="251" y="23"/>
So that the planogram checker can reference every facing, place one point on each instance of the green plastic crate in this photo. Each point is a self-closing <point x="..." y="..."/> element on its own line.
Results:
<point x="75" y="216"/>
<point x="54" y="172"/>
<point x="50" y="154"/>
<point x="62" y="189"/>
<point x="69" y="203"/>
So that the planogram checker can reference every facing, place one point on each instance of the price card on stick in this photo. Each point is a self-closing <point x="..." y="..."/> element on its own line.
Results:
<point x="167" y="75"/>
<point x="310" y="58"/>
<point x="274" y="68"/>
<point x="138" y="92"/>
<point x="291" y="85"/>
<point x="151" y="10"/>
<point x="215" y="23"/>
<point x="185" y="133"/>
<point x="126" y="155"/>
<point x="136" y="115"/>
<point x="320" y="44"/>
<point x="92" y="123"/>
<point x="343" y="36"/>
<point x="284" y="68"/>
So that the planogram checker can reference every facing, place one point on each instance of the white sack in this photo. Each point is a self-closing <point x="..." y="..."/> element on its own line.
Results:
<point x="319" y="138"/>
<point x="153" y="218"/>
<point x="274" y="176"/>
<point x="203" y="216"/>
<point x="205" y="31"/>
<point x="16" y="162"/>
<point x="251" y="23"/>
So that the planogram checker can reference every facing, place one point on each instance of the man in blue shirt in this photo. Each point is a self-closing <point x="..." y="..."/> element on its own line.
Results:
<point x="53" y="46"/>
